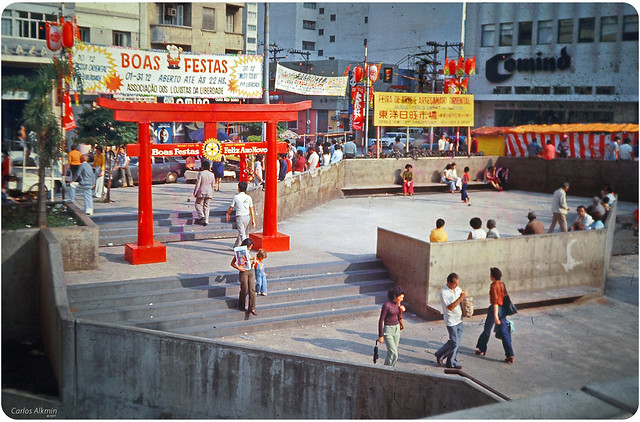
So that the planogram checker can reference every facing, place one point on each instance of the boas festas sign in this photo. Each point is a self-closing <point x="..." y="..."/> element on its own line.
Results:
<point x="505" y="61"/>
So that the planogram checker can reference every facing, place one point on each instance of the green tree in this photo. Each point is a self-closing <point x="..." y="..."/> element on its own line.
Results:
<point x="255" y="129"/>
<point x="97" y="126"/>
<point x="38" y="116"/>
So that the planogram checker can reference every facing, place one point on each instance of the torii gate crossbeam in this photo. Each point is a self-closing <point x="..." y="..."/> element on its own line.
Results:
<point x="147" y="250"/>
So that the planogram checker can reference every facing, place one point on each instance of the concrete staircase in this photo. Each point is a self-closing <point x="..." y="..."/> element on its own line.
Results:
<point x="206" y="305"/>
<point x="119" y="229"/>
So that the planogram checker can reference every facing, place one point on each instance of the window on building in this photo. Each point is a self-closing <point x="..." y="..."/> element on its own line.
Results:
<point x="309" y="25"/>
<point x="630" y="28"/>
<point x="332" y="38"/>
<point x="605" y="90"/>
<point x="84" y="34"/>
<point x="506" y="34"/>
<point x="232" y="12"/>
<point x="583" y="90"/>
<point x="251" y="40"/>
<point x="252" y="15"/>
<point x="309" y="45"/>
<point x="565" y="31"/>
<point x="252" y="28"/>
<point x="321" y="11"/>
<point x="7" y="23"/>
<point x="545" y="32"/>
<point x="366" y="19"/>
<point x="608" y="28"/>
<point x="502" y="90"/>
<point x="332" y="17"/>
<point x="320" y="32"/>
<point x="525" y="33"/>
<point x="586" y="29"/>
<point x="488" y="33"/>
<point x="541" y="90"/>
<point x="209" y="18"/>
<point x="309" y="5"/>
<point x="293" y="125"/>
<point x="562" y="90"/>
<point x="174" y="14"/>
<point x="523" y="90"/>
<point x="122" y="39"/>
<point x="320" y="52"/>
<point x="30" y="24"/>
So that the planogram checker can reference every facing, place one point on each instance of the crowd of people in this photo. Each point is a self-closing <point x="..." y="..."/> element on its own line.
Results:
<point x="615" y="149"/>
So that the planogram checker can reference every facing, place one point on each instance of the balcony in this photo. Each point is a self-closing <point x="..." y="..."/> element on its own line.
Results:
<point x="171" y="34"/>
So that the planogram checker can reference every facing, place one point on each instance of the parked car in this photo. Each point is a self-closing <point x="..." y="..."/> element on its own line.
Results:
<point x="389" y="139"/>
<point x="163" y="170"/>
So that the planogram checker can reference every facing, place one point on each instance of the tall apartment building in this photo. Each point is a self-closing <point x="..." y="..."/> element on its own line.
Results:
<point x="338" y="30"/>
<point x="250" y="19"/>
<point x="546" y="63"/>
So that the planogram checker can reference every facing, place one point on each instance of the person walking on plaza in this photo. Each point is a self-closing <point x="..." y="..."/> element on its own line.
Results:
<point x="74" y="160"/>
<point x="245" y="216"/>
<point x="86" y="180"/>
<point x="407" y="180"/>
<point x="451" y="296"/>
<point x="559" y="208"/>
<point x="217" y="168"/>
<point x="122" y="165"/>
<point x="495" y="315"/>
<point x="438" y="234"/>
<point x="390" y="324"/>
<point x="98" y="168"/>
<point x="203" y="192"/>
<point x="247" y="278"/>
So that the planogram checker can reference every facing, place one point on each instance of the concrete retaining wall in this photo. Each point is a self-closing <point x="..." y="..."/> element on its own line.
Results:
<point x="528" y="263"/>
<point x="134" y="373"/>
<point x="79" y="245"/>
<point x="586" y="176"/>
<point x="21" y="317"/>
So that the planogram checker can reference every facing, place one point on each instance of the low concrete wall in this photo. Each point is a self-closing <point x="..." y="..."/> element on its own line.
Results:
<point x="134" y="373"/>
<point x="58" y="327"/>
<point x="21" y="317"/>
<point x="79" y="245"/>
<point x="528" y="263"/>
<point x="586" y="176"/>
<point x="385" y="171"/>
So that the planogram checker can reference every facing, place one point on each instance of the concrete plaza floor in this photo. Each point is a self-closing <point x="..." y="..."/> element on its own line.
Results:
<point x="556" y="347"/>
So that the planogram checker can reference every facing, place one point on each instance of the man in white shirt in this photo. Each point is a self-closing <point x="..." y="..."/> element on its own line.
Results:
<point x="559" y="208"/>
<point x="451" y="296"/>
<point x="312" y="162"/>
<point x="583" y="221"/>
<point x="625" y="152"/>
<point x="245" y="216"/>
<point x="337" y="154"/>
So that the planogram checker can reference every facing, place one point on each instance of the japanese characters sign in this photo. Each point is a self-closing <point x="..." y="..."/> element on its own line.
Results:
<point x="304" y="83"/>
<point x="117" y="70"/>
<point x="419" y="110"/>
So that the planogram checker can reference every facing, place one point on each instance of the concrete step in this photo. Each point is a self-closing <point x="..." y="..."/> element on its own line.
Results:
<point x="288" y="273"/>
<point x="166" y="222"/>
<point x="269" y="306"/>
<point x="169" y="228"/>
<point x="111" y="305"/>
<point x="202" y="234"/>
<point x="253" y="323"/>
<point x="353" y="191"/>
<point x="121" y="218"/>
<point x="524" y="300"/>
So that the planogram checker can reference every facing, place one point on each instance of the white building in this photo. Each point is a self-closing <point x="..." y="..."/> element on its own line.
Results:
<point x="546" y="63"/>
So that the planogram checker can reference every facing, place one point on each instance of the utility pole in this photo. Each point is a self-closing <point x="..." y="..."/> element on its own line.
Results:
<point x="274" y="50"/>
<point x="305" y="55"/>
<point x="265" y="60"/>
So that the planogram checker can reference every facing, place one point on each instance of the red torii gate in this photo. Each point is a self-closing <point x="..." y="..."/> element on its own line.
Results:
<point x="147" y="250"/>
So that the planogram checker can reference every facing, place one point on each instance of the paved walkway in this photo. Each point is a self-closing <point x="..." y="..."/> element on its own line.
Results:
<point x="564" y="346"/>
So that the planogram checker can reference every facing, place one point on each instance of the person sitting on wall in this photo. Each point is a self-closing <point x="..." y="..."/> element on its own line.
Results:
<point x="534" y="226"/>
<point x="491" y="178"/>
<point x="596" y="207"/>
<point x="583" y="220"/>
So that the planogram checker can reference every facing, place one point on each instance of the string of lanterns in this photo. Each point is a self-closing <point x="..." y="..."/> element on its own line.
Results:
<point x="457" y="69"/>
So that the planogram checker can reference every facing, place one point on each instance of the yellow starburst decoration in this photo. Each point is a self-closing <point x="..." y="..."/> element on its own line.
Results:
<point x="239" y="67"/>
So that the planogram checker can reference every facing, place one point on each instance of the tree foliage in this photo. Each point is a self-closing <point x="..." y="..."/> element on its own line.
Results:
<point x="255" y="128"/>
<point x="97" y="126"/>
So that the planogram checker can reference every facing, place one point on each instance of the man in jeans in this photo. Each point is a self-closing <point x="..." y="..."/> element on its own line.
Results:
<point x="245" y="216"/>
<point x="559" y="208"/>
<point x="450" y="297"/>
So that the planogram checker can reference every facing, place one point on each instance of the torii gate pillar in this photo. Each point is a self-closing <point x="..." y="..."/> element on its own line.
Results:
<point x="147" y="250"/>
<point x="270" y="240"/>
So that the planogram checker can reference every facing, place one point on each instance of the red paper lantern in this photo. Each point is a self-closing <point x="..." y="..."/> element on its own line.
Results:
<point x="68" y="34"/>
<point x="373" y="73"/>
<point x="470" y="66"/>
<point x="54" y="36"/>
<point x="358" y="73"/>
<point x="452" y="67"/>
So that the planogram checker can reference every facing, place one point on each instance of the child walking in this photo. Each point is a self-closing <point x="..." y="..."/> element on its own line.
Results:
<point x="465" y="182"/>
<point x="407" y="180"/>
<point x="261" y="276"/>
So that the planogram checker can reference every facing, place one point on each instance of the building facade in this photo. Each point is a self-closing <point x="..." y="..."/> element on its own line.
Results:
<point x="547" y="63"/>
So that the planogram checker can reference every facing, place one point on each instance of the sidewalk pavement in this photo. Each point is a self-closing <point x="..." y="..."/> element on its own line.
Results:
<point x="556" y="347"/>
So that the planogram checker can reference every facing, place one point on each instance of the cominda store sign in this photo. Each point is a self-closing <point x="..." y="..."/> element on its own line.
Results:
<point x="127" y="71"/>
<point x="502" y="66"/>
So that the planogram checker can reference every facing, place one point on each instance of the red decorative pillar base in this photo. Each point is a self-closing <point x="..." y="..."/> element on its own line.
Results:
<point x="136" y="255"/>
<point x="278" y="243"/>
